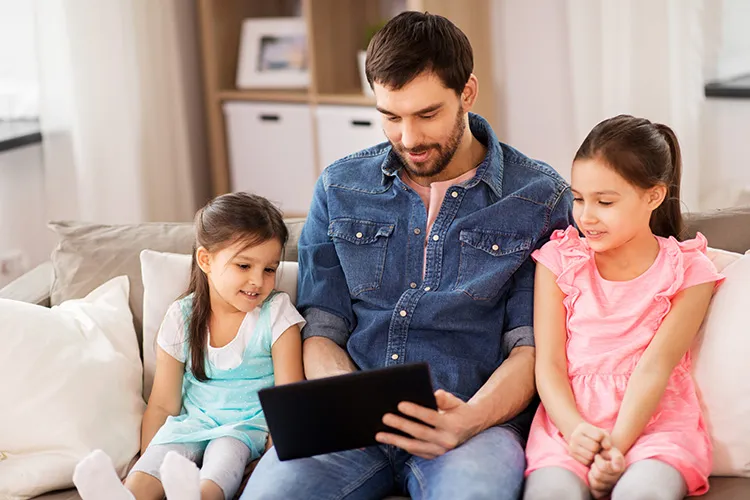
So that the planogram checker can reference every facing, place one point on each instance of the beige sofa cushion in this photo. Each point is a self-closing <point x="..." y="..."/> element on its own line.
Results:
<point x="88" y="255"/>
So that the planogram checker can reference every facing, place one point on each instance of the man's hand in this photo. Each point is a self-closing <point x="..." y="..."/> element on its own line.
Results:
<point x="586" y="441"/>
<point x="454" y="423"/>
<point x="608" y="466"/>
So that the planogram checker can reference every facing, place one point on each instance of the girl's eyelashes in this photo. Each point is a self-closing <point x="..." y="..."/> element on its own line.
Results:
<point x="245" y="267"/>
<point x="603" y="203"/>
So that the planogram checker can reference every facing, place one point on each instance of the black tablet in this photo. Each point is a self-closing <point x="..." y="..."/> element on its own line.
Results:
<point x="341" y="413"/>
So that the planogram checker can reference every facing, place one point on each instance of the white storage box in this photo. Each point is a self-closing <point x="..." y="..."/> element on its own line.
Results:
<point x="271" y="152"/>
<point x="343" y="130"/>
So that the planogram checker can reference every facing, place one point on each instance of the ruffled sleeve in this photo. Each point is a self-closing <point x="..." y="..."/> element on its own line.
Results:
<point x="563" y="248"/>
<point x="696" y="266"/>
<point x="690" y="266"/>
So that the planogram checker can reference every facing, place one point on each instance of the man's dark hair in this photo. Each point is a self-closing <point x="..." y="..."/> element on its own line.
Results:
<point x="414" y="42"/>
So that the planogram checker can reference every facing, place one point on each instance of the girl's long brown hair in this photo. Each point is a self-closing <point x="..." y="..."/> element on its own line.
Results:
<point x="646" y="154"/>
<point x="224" y="221"/>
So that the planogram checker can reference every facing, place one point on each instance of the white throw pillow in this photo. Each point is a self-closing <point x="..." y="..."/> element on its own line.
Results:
<point x="722" y="258"/>
<point x="166" y="277"/>
<point x="722" y="371"/>
<point x="71" y="383"/>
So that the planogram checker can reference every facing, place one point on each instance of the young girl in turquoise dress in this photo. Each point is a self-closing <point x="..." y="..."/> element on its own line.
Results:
<point x="229" y="337"/>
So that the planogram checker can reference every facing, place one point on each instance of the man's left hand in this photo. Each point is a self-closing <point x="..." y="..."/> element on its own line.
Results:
<point x="454" y="423"/>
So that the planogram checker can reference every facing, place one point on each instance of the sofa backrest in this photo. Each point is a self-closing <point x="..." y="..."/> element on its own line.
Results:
<point x="88" y="255"/>
<point x="727" y="229"/>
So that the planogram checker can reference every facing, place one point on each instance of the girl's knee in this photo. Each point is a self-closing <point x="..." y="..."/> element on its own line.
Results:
<point x="633" y="491"/>
<point x="554" y="483"/>
<point x="646" y="490"/>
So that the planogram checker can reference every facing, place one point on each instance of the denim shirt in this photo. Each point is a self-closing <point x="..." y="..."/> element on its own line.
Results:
<point x="361" y="266"/>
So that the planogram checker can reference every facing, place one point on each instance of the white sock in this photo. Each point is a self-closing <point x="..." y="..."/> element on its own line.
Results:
<point x="95" y="478"/>
<point x="180" y="478"/>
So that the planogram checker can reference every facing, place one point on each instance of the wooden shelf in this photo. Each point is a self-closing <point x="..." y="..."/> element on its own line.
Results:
<point x="264" y="95"/>
<point x="345" y="99"/>
<point x="302" y="96"/>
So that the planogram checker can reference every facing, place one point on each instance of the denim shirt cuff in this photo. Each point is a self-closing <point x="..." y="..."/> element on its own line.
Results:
<point x="521" y="336"/>
<point x="324" y="324"/>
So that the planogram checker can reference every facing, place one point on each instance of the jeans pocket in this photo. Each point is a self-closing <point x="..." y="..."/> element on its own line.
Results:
<point x="487" y="261"/>
<point x="361" y="246"/>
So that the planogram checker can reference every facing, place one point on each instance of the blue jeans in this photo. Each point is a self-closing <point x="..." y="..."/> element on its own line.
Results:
<point x="490" y="465"/>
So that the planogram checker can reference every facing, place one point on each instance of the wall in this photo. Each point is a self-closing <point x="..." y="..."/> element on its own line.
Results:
<point x="534" y="78"/>
<point x="17" y="43"/>
<point x="533" y="70"/>
<point x="22" y="198"/>
<point x="18" y="70"/>
<point x="22" y="211"/>
<point x="726" y="153"/>
<point x="734" y="48"/>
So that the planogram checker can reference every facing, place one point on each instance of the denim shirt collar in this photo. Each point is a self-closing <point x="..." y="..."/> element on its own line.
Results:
<point x="490" y="171"/>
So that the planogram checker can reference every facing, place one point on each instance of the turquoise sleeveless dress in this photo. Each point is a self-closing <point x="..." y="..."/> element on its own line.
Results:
<point x="227" y="403"/>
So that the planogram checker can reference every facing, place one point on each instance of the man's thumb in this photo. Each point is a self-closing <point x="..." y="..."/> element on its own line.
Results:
<point x="446" y="400"/>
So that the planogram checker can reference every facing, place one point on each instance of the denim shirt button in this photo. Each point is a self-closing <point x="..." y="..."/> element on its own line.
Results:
<point x="454" y="194"/>
<point x="427" y="289"/>
<point x="402" y="314"/>
<point x="394" y="357"/>
<point x="413" y="285"/>
<point x="495" y="248"/>
<point x="436" y="237"/>
<point x="417" y="230"/>
<point x="359" y="235"/>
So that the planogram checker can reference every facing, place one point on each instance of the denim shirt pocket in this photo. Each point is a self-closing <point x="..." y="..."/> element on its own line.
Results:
<point x="488" y="259"/>
<point x="361" y="246"/>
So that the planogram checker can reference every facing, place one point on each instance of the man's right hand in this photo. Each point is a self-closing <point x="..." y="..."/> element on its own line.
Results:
<point x="323" y="357"/>
<point x="586" y="441"/>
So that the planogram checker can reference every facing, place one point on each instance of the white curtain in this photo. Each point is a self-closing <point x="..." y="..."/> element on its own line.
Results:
<point x="121" y="110"/>
<point x="641" y="57"/>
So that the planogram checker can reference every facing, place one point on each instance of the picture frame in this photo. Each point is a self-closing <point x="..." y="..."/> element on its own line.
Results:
<point x="273" y="54"/>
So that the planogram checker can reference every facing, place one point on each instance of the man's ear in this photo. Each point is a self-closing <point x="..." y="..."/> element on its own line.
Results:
<point x="469" y="94"/>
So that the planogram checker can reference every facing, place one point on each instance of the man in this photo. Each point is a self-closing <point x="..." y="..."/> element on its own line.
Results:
<point x="418" y="250"/>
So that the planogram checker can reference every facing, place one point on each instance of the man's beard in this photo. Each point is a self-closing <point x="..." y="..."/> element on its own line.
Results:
<point x="444" y="152"/>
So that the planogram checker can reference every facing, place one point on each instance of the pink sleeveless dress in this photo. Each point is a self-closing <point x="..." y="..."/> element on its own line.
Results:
<point x="610" y="324"/>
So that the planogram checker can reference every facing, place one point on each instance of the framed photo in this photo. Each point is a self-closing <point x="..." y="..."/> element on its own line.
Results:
<point x="273" y="53"/>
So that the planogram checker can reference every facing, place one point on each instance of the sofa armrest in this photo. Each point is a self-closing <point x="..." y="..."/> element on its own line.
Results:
<point x="33" y="287"/>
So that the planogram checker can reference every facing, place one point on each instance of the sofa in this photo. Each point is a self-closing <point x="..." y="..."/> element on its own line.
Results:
<point x="87" y="255"/>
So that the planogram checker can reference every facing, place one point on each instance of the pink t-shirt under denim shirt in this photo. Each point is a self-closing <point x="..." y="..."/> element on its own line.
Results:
<point x="433" y="197"/>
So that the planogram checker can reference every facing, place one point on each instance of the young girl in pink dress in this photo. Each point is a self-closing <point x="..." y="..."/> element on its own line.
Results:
<point x="618" y="302"/>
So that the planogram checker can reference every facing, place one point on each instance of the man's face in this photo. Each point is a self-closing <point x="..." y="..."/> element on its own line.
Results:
<point x="424" y="121"/>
